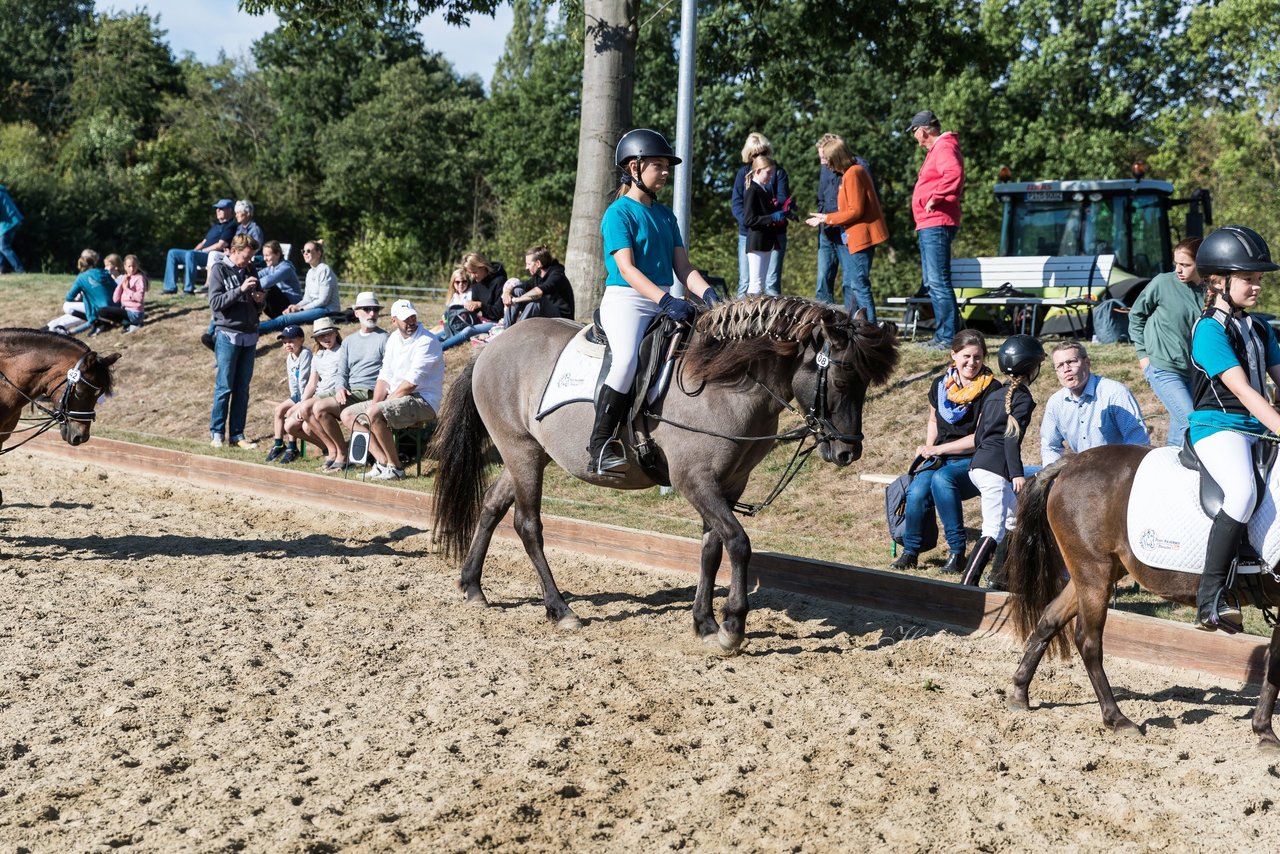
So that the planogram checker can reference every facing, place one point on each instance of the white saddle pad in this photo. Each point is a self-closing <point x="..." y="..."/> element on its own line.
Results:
<point x="575" y="374"/>
<point x="1169" y="530"/>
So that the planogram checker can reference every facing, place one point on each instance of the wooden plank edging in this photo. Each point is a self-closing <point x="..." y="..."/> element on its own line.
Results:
<point x="1132" y="636"/>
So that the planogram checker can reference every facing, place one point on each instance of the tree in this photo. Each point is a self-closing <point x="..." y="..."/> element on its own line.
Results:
<point x="37" y="38"/>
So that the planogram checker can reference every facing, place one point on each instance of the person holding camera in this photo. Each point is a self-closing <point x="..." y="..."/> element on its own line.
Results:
<point x="236" y="298"/>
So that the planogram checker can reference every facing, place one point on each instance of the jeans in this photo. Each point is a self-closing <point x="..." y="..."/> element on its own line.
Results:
<point x="7" y="255"/>
<point x="296" y="318"/>
<point x="773" y="278"/>
<point x="448" y="340"/>
<point x="235" y="372"/>
<point x="945" y="487"/>
<point x="935" y="263"/>
<point x="190" y="260"/>
<point x="855" y="275"/>
<point x="1174" y="391"/>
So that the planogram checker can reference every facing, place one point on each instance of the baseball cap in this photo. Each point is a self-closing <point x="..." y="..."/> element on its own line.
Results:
<point x="366" y="299"/>
<point x="290" y="332"/>
<point x="224" y="203"/>
<point x="924" y="118"/>
<point x="402" y="309"/>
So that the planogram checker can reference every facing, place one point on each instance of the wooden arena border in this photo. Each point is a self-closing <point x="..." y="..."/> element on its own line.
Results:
<point x="1132" y="636"/>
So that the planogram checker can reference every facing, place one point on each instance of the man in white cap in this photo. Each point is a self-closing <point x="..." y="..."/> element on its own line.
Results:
<point x="407" y="392"/>
<point x="359" y="361"/>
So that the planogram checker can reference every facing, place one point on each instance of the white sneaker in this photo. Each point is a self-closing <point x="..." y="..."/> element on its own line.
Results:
<point x="131" y="328"/>
<point x="217" y="442"/>
<point x="381" y="472"/>
<point x="245" y="444"/>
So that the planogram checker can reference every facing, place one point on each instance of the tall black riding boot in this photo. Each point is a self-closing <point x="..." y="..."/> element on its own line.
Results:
<point x="1224" y="542"/>
<point x="978" y="563"/>
<point x="606" y="454"/>
<point x="999" y="577"/>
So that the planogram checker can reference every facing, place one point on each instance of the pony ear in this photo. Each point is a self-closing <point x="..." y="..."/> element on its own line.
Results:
<point x="108" y="360"/>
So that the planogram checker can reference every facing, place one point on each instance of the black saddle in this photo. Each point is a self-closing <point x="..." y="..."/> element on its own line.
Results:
<point x="1264" y="457"/>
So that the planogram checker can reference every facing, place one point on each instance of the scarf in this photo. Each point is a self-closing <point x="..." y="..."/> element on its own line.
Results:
<point x="955" y="405"/>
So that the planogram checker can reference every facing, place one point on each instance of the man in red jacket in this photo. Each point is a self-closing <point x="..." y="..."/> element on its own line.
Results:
<point x="935" y="204"/>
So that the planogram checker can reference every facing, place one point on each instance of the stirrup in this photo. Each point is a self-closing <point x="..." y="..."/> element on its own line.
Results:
<point x="1223" y="614"/>
<point x="611" y="461"/>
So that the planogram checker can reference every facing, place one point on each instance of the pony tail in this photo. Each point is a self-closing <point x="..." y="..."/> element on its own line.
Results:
<point x="1012" y="427"/>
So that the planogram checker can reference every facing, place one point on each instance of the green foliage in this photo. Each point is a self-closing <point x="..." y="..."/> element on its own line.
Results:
<point x="376" y="258"/>
<point x="37" y="41"/>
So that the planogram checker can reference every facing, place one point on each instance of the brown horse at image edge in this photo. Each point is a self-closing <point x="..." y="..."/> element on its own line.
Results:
<point x="1070" y="548"/>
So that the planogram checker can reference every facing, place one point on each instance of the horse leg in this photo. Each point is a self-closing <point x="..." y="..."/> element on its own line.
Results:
<point x="497" y="500"/>
<point x="526" y="472"/>
<point x="1267" y="696"/>
<point x="1054" y="619"/>
<point x="704" y="620"/>
<point x="1089" y="625"/>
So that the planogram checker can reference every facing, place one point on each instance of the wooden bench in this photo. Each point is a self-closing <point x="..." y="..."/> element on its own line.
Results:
<point x="1072" y="283"/>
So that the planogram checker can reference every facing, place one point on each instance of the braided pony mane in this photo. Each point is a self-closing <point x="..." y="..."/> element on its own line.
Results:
<point x="732" y="337"/>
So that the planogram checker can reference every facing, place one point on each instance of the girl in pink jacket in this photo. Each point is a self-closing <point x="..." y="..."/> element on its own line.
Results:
<point x="130" y="293"/>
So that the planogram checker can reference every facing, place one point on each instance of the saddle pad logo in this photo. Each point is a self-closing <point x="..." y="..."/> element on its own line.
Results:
<point x="1152" y="541"/>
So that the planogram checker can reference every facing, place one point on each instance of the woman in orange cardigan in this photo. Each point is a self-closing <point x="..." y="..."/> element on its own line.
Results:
<point x="859" y="215"/>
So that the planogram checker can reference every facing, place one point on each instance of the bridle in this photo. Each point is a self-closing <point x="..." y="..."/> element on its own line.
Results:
<point x="61" y="413"/>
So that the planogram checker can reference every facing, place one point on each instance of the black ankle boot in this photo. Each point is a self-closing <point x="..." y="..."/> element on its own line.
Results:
<point x="1224" y="543"/>
<point x="978" y="563"/>
<point x="955" y="563"/>
<point x="605" y="453"/>
<point x="906" y="560"/>
<point x="999" y="577"/>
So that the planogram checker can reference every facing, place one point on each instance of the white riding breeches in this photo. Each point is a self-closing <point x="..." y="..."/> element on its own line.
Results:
<point x="1227" y="457"/>
<point x="757" y="267"/>
<point x="999" y="502"/>
<point x="624" y="314"/>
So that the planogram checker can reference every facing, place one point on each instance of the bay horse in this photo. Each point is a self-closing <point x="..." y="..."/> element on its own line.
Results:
<point x="1073" y="516"/>
<point x="743" y="363"/>
<point x="59" y="377"/>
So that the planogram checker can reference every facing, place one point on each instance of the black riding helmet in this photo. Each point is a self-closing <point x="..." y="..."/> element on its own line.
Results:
<point x="1234" y="249"/>
<point x="1021" y="355"/>
<point x="639" y="144"/>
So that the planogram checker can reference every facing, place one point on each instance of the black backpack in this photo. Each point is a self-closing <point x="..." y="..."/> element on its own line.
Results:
<point x="895" y="506"/>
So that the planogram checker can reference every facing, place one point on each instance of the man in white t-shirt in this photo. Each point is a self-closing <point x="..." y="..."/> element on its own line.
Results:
<point x="407" y="392"/>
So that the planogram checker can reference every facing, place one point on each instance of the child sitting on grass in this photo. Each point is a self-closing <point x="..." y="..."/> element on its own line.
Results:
<point x="297" y="368"/>
<point x="130" y="293"/>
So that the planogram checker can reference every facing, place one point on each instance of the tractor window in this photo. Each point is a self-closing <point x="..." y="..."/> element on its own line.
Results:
<point x="1045" y="228"/>
<point x="1147" y="227"/>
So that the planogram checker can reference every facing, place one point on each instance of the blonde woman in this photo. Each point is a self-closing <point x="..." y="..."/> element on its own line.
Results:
<point x="779" y="189"/>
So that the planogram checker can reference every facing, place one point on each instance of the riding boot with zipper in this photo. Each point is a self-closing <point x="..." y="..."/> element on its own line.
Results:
<point x="1224" y="542"/>
<point x="954" y="564"/>
<point x="606" y="454"/>
<point x="978" y="563"/>
<point x="999" y="577"/>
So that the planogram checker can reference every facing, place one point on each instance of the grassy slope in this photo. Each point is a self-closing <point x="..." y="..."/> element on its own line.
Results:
<point x="165" y="384"/>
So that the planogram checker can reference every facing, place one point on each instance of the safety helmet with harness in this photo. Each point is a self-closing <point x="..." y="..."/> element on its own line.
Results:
<point x="641" y="144"/>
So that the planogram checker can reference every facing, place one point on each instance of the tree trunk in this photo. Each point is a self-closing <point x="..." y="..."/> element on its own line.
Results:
<point x="608" y="80"/>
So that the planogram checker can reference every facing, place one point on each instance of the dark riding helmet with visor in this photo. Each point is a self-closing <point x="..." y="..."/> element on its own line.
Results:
<point x="640" y="144"/>
<point x="1234" y="249"/>
<point x="1021" y="355"/>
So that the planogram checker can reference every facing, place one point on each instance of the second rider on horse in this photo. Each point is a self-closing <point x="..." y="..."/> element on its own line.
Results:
<point x="1232" y="355"/>
<point x="642" y="247"/>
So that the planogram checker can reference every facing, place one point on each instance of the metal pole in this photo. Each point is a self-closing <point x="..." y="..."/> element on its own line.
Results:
<point x="684" y="124"/>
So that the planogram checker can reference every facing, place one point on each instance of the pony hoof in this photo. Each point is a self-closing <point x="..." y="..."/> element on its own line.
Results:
<point x="1126" y="728"/>
<point x="729" y="643"/>
<point x="477" y="599"/>
<point x="1269" y="746"/>
<point x="569" y="623"/>
<point x="1017" y="704"/>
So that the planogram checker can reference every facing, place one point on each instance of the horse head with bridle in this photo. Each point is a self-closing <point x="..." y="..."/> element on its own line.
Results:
<point x="60" y="378"/>
<point x="742" y="366"/>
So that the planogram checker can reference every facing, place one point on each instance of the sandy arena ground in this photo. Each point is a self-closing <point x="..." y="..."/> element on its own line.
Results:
<point x="187" y="670"/>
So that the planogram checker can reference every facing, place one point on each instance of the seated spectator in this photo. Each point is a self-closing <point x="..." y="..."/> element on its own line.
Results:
<point x="408" y="391"/>
<point x="244" y="225"/>
<point x="90" y="293"/>
<point x="131" y="293"/>
<point x="319" y="298"/>
<point x="461" y="322"/>
<point x="1088" y="410"/>
<point x="359" y="362"/>
<point x="547" y="292"/>
<point x="114" y="265"/>
<point x="297" y="371"/>
<point x="217" y="239"/>
<point x="279" y="279"/>
<point x="320" y="386"/>
<point x="954" y="403"/>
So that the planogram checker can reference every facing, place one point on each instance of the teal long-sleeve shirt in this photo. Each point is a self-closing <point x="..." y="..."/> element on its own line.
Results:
<point x="94" y="288"/>
<point x="1161" y="320"/>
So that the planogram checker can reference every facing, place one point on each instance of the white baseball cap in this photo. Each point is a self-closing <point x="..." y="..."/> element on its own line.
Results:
<point x="402" y="309"/>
